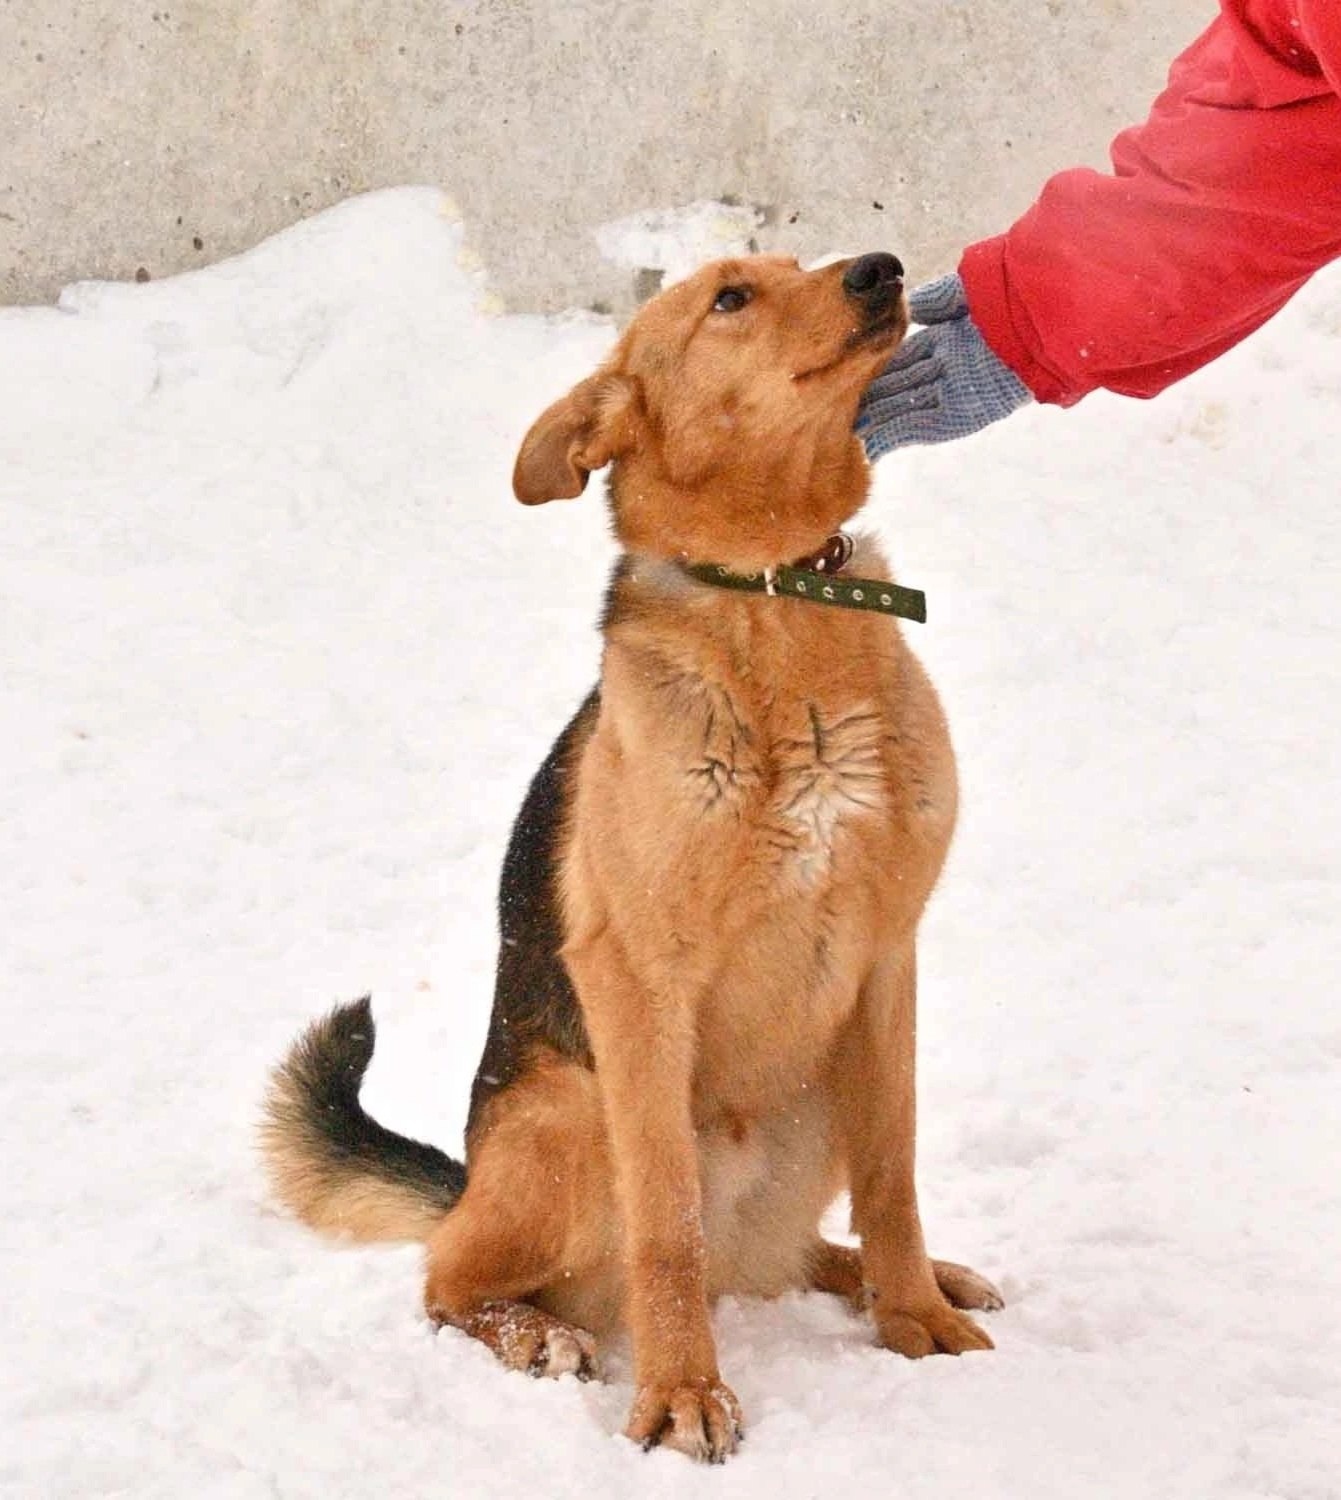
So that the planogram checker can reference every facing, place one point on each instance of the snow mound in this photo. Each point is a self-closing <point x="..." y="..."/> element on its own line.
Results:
<point x="281" y="654"/>
<point x="675" y="242"/>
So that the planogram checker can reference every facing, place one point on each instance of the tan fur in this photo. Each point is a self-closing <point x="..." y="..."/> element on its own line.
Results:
<point x="758" y="819"/>
<point x="331" y="1200"/>
<point x="363" y="1210"/>
<point x="754" y="823"/>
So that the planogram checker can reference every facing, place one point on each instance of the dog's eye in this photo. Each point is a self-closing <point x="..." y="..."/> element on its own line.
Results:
<point x="731" y="299"/>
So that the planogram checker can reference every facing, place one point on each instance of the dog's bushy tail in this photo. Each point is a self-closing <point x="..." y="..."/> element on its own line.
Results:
<point x="332" y="1164"/>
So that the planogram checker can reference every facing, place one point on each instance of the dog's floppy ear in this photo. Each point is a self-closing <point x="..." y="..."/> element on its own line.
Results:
<point x="582" y="432"/>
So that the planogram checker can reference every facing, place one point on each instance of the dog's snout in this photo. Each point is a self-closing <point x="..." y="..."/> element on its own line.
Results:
<point x="872" y="277"/>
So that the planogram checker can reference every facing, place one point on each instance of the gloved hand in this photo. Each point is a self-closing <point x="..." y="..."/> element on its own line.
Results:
<point x="943" y="383"/>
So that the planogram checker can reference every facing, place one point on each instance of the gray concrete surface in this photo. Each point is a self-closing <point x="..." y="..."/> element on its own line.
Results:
<point x="153" y="135"/>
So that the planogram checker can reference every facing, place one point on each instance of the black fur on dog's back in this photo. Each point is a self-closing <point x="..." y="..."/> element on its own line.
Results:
<point x="329" y="1161"/>
<point x="535" y="1004"/>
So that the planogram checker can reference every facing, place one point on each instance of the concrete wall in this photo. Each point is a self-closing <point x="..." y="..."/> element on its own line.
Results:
<point x="163" y="134"/>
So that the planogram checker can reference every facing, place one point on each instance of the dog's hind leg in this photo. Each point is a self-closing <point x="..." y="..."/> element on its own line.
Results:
<point x="837" y="1269"/>
<point x="483" y="1263"/>
<point x="531" y="1216"/>
<point x="965" y="1288"/>
<point x="524" y="1337"/>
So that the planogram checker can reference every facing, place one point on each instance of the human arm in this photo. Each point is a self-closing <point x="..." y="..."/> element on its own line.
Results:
<point x="1220" y="207"/>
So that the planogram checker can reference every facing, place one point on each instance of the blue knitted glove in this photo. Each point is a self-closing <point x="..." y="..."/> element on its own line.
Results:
<point x="943" y="383"/>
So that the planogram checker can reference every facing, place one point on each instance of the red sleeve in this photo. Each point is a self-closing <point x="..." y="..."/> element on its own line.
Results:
<point x="1221" y="206"/>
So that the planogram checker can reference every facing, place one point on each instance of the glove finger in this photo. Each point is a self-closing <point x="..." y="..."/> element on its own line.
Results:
<point x="913" y="351"/>
<point x="910" y="430"/>
<point x="892" y="408"/>
<point x="939" y="301"/>
<point x="891" y="437"/>
<point x="927" y="371"/>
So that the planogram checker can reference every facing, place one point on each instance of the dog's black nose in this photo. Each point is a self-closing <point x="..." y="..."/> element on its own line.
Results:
<point x="871" y="275"/>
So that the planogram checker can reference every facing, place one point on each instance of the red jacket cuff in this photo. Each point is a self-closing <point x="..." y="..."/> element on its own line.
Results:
<point x="982" y="269"/>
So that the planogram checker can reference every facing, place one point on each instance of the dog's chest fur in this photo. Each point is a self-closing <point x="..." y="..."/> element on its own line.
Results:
<point x="760" y="811"/>
<point x="794" y="771"/>
<point x="759" y="759"/>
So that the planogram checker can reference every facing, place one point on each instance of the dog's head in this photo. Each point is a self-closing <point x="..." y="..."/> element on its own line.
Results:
<point x="727" y="411"/>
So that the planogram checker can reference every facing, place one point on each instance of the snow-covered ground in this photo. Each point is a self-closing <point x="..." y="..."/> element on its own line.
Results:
<point x="278" y="655"/>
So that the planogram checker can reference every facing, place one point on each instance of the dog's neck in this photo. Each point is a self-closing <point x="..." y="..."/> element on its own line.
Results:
<point x="743" y="520"/>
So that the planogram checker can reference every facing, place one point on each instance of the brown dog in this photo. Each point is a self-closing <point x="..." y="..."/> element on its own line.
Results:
<point x="703" y="1025"/>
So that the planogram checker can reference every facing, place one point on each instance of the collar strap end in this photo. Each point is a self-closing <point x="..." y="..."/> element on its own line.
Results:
<point x="871" y="594"/>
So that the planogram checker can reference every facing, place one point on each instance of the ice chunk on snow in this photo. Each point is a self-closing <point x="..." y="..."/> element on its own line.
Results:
<point x="677" y="241"/>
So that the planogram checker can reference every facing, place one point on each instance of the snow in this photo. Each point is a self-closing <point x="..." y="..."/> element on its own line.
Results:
<point x="280" y="657"/>
<point x="677" y="241"/>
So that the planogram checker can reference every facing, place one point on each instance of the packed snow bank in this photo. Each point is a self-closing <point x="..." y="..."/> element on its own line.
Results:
<point x="675" y="242"/>
<point x="280" y="656"/>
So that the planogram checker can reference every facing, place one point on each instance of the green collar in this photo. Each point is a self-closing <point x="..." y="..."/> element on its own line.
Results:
<point x="820" y="587"/>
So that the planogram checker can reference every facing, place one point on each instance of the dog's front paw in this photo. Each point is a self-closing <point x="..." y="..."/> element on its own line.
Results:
<point x="931" y="1326"/>
<point x="701" y="1419"/>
